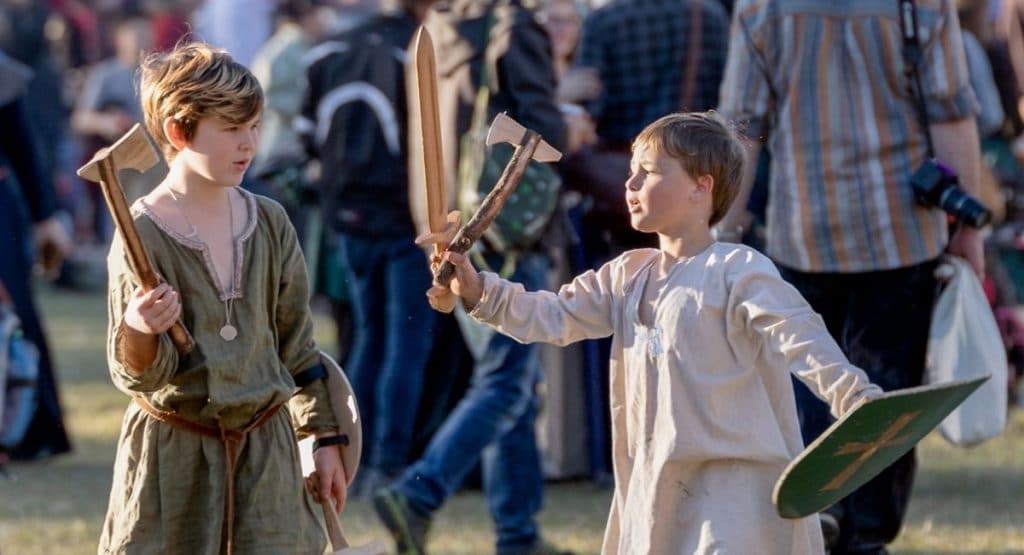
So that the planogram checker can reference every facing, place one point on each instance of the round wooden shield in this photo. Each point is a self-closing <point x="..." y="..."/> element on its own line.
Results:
<point x="862" y="443"/>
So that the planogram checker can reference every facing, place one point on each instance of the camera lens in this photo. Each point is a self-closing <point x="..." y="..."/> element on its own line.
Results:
<point x="964" y="207"/>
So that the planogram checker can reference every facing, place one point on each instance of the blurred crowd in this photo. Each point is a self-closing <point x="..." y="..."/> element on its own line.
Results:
<point x="618" y="66"/>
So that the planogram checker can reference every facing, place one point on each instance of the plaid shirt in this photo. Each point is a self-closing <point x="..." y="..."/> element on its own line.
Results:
<point x="824" y="82"/>
<point x="640" y="50"/>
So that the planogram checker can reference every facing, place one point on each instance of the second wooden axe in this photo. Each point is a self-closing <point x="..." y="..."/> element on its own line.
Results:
<point x="528" y="146"/>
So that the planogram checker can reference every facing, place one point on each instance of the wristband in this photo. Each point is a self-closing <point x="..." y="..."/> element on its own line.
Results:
<point x="340" y="439"/>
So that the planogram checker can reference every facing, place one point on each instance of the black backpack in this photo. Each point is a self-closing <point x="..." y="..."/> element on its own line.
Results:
<point x="354" y="119"/>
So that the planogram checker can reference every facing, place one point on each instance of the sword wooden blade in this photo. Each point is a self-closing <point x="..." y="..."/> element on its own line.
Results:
<point x="430" y="131"/>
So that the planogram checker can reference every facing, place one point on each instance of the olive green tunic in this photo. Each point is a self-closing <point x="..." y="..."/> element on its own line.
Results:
<point x="169" y="486"/>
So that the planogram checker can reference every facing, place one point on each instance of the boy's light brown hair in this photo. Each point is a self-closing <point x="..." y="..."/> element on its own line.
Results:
<point x="193" y="81"/>
<point x="704" y="144"/>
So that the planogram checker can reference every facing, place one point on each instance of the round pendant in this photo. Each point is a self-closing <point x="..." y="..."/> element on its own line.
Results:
<point x="228" y="332"/>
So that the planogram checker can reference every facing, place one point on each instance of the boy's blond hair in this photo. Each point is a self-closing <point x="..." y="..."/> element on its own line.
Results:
<point x="193" y="81"/>
<point x="704" y="145"/>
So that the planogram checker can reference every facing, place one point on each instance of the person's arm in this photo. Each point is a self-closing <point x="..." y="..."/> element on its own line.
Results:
<point x="310" y="407"/>
<point x="21" y="145"/>
<point x="526" y="73"/>
<point x="284" y="81"/>
<point x="991" y="116"/>
<point x="738" y="219"/>
<point x="951" y="105"/>
<point x="87" y="118"/>
<point x="747" y="101"/>
<point x="140" y="357"/>
<point x="580" y="310"/>
<point x="776" y="325"/>
<point x="957" y="145"/>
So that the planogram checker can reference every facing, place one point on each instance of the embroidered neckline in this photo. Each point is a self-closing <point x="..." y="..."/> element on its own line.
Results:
<point x="637" y="295"/>
<point x="252" y="216"/>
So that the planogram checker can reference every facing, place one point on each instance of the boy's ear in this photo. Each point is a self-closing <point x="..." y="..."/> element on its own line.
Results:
<point x="175" y="133"/>
<point x="705" y="184"/>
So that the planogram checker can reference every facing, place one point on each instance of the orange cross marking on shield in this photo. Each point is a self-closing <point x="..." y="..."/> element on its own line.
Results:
<point x="867" y="450"/>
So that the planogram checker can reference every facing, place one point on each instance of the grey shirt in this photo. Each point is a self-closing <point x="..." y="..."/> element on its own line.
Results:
<point x="111" y="84"/>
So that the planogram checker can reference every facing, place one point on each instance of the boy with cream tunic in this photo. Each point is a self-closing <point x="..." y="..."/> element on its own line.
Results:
<point x="705" y="335"/>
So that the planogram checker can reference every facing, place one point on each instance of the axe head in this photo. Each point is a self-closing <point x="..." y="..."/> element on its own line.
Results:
<point x="507" y="130"/>
<point x="133" y="150"/>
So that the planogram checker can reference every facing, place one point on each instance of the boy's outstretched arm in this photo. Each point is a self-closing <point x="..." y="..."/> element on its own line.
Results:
<point x="787" y="334"/>
<point x="581" y="309"/>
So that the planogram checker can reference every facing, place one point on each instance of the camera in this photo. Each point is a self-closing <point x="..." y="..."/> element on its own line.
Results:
<point x="935" y="184"/>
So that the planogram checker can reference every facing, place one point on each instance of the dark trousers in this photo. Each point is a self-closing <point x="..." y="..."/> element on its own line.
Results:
<point x="46" y="434"/>
<point x="493" y="424"/>
<point x="881" y="321"/>
<point x="394" y="327"/>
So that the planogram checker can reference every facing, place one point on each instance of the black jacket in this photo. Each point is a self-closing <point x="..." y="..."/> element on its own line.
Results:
<point x="355" y="124"/>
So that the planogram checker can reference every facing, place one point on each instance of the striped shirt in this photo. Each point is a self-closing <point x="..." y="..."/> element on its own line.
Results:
<point x="823" y="83"/>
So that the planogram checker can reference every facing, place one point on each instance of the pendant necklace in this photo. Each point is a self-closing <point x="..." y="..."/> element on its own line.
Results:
<point x="228" y="332"/>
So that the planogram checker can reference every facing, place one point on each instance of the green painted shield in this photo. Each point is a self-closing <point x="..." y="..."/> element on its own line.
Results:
<point x="863" y="443"/>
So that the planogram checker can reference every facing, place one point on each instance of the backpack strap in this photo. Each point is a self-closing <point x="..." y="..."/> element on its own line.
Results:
<point x="483" y="93"/>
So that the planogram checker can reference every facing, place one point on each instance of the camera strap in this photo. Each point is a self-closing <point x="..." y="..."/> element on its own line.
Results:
<point x="912" y="54"/>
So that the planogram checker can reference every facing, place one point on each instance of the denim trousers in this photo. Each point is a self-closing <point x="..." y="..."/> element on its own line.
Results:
<point x="492" y="424"/>
<point x="388" y="280"/>
<point x="881" y="321"/>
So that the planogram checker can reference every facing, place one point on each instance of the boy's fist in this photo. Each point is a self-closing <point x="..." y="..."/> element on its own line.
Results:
<point x="153" y="312"/>
<point x="467" y="282"/>
<point x="329" y="481"/>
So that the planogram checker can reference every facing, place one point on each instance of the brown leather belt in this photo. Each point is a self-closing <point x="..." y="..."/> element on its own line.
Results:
<point x="230" y="439"/>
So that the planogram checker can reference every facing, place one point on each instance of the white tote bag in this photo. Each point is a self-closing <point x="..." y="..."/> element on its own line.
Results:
<point x="965" y="342"/>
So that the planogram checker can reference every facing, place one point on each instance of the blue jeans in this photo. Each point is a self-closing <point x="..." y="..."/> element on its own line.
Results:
<point x="392" y="339"/>
<point x="881" y="321"/>
<point x="493" y="424"/>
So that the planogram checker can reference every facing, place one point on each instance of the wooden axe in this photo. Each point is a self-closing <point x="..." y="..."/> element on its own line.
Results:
<point x="133" y="150"/>
<point x="529" y="146"/>
<point x="335" y="532"/>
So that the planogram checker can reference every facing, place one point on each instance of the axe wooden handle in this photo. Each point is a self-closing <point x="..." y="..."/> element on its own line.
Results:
<point x="334" y="529"/>
<point x="339" y="544"/>
<point x="491" y="205"/>
<point x="138" y="257"/>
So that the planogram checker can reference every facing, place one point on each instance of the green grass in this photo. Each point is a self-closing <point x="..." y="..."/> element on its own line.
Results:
<point x="965" y="501"/>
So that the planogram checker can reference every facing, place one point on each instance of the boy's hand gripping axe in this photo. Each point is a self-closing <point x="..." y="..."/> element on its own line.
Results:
<point x="339" y="543"/>
<point x="528" y="146"/>
<point x="133" y="150"/>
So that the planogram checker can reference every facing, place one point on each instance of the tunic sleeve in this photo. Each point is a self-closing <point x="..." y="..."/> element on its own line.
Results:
<point x="789" y="335"/>
<point x="310" y="407"/>
<point x="581" y="309"/>
<point x="121" y="287"/>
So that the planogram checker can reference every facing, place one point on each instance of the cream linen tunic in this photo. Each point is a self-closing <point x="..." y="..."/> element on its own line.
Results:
<point x="702" y="409"/>
<point x="168" y="493"/>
